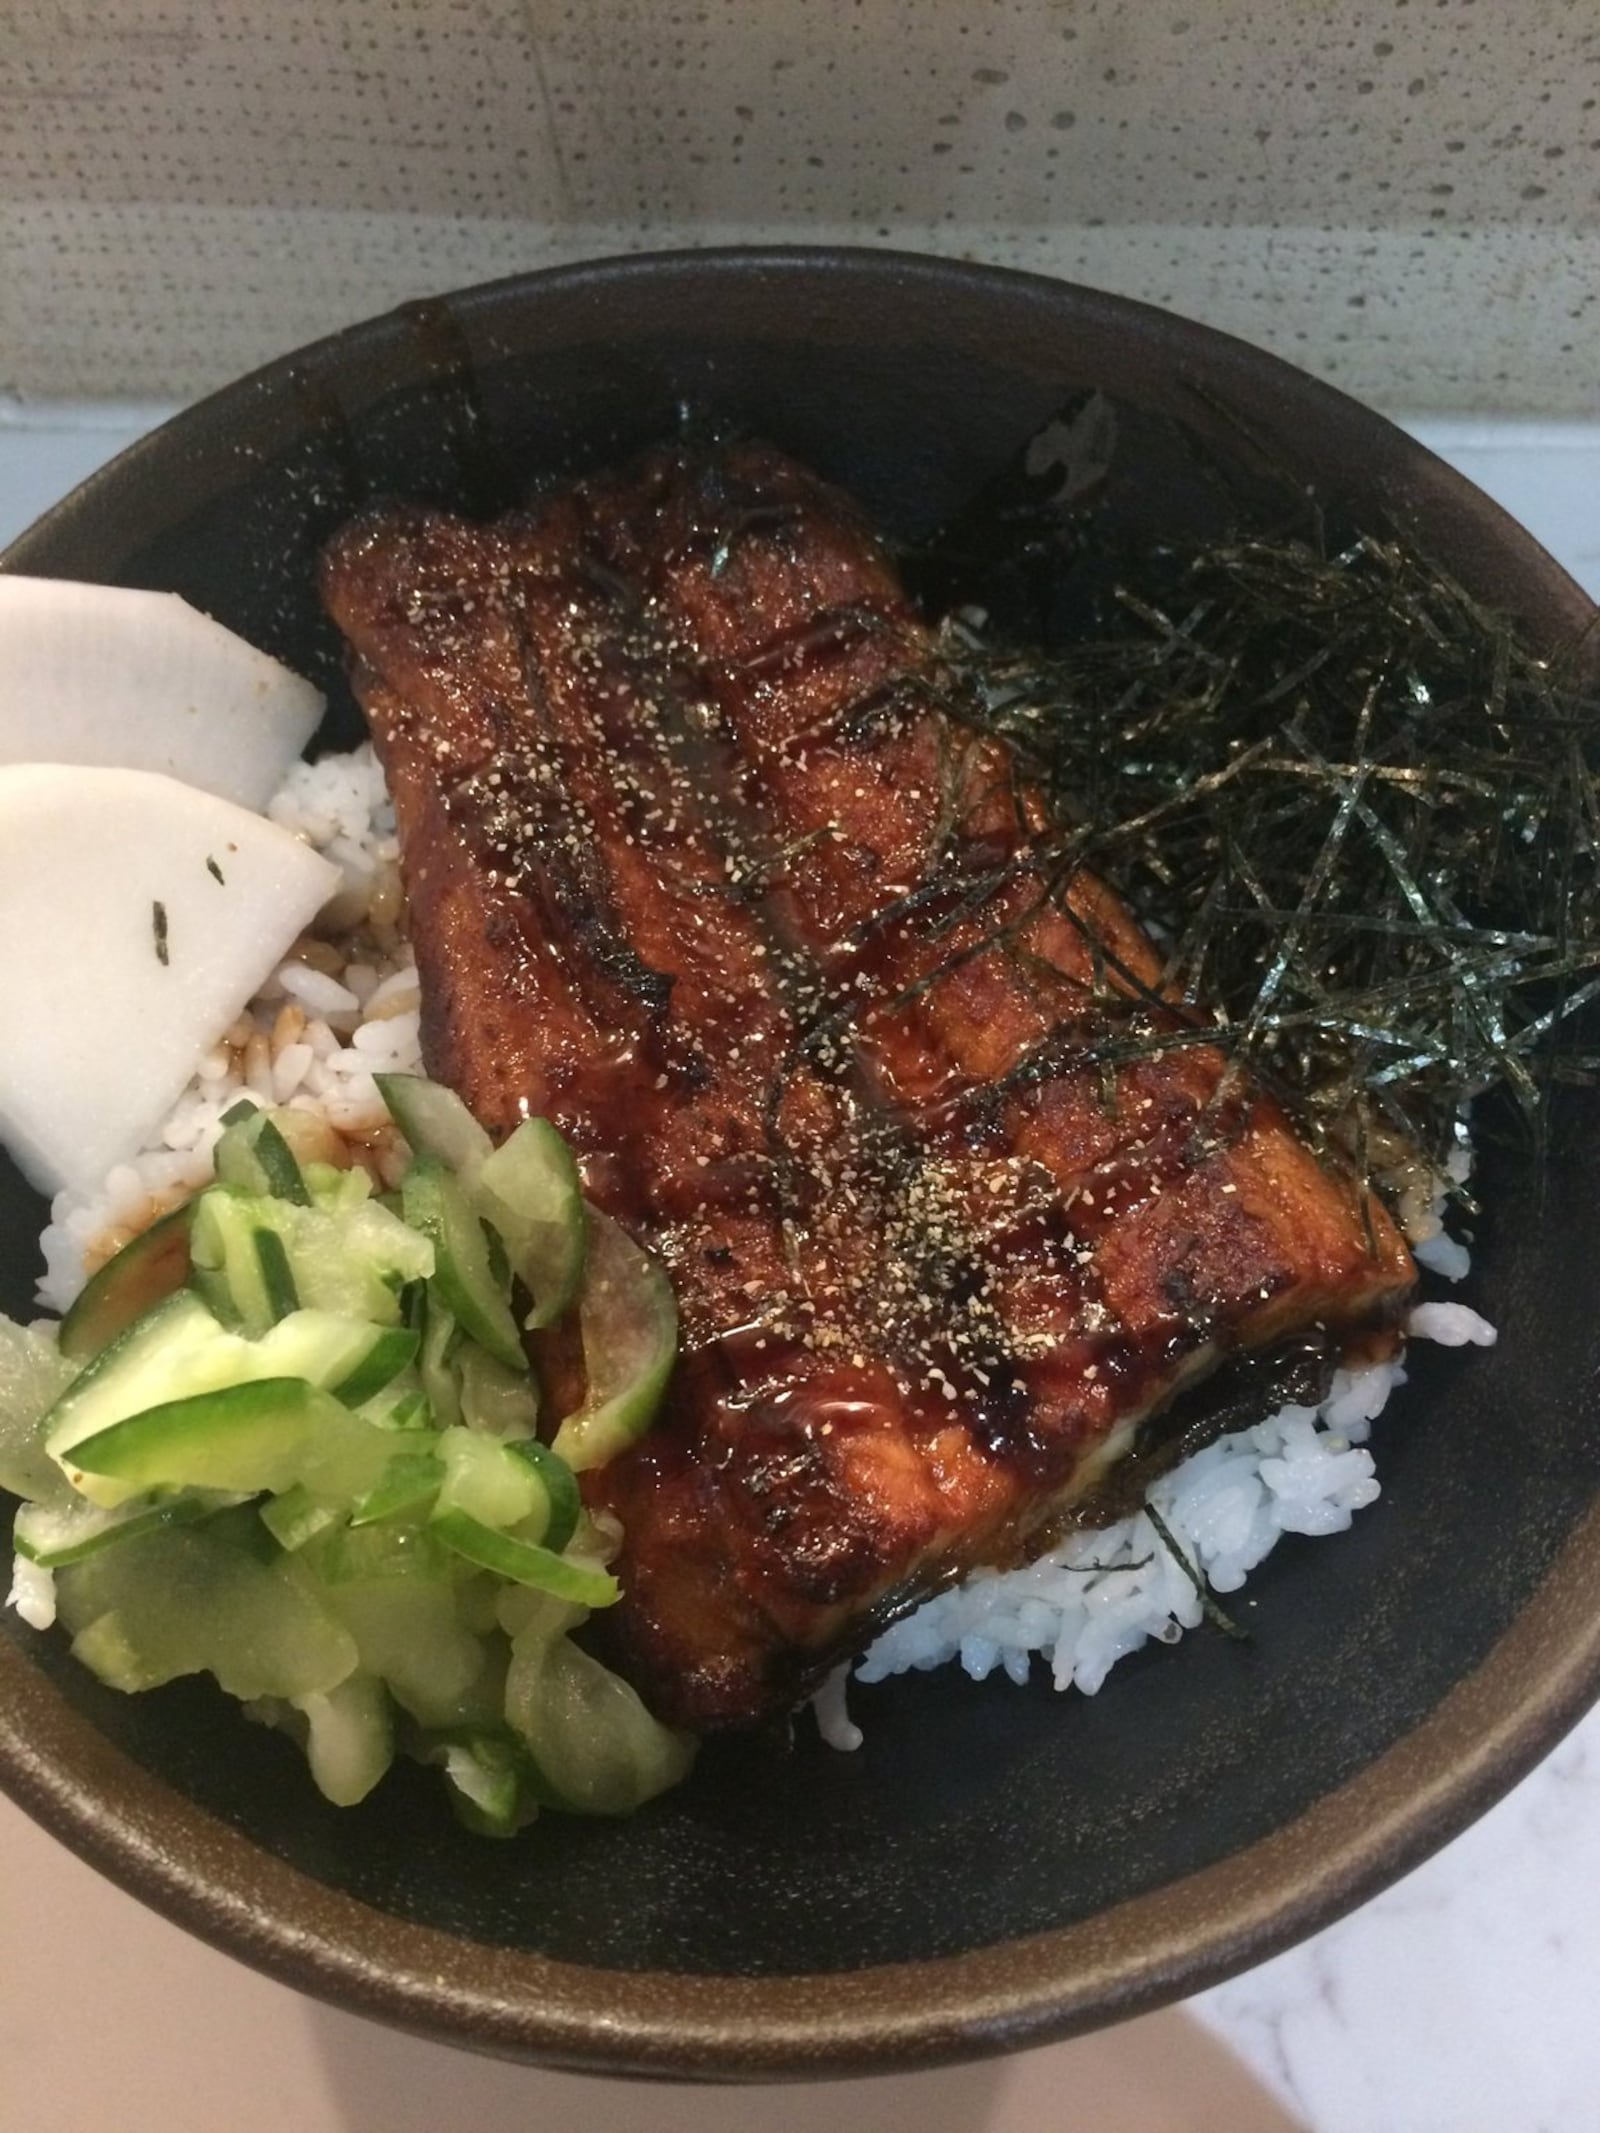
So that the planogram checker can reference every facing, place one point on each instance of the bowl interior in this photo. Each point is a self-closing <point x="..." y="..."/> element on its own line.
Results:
<point x="975" y="1814"/>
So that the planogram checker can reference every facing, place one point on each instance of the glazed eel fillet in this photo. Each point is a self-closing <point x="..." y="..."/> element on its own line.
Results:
<point x="699" y="868"/>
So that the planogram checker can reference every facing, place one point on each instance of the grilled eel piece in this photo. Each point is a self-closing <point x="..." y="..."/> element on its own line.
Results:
<point x="700" y="866"/>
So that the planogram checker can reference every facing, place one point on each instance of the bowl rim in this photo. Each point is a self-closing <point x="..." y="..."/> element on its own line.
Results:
<point x="1492" y="1727"/>
<point x="374" y="356"/>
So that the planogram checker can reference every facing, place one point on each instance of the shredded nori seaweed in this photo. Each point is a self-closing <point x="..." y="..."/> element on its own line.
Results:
<point x="1359" y="812"/>
<point x="1210" y="1606"/>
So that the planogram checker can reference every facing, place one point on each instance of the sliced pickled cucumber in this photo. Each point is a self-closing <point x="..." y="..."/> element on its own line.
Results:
<point x="524" y="1562"/>
<point x="436" y="1365"/>
<point x="401" y="1409"/>
<point x="596" y="1748"/>
<point x="54" y="1535"/>
<point x="150" y="1267"/>
<point x="391" y="1350"/>
<point x="349" y="1738"/>
<point x="33" y="1376"/>
<point x="334" y="1190"/>
<point x="191" y="1600"/>
<point x="256" y="1258"/>
<point x="410" y="1636"/>
<point x="489" y="1778"/>
<point x="500" y="1402"/>
<point x="529" y="1192"/>
<point x="463" y="1273"/>
<point x="263" y="1434"/>
<point x="358" y="1260"/>
<point x="408" y="1485"/>
<point x="328" y="1490"/>
<point x="629" y="1323"/>
<point x="384" y="1548"/>
<point x="176" y="1348"/>
<point x="238" y="1259"/>
<point x="253" y="1153"/>
<point x="176" y="1354"/>
<point x="486" y="1478"/>
<point x="435" y="1121"/>
<point x="564" y="1503"/>
<point x="299" y="1515"/>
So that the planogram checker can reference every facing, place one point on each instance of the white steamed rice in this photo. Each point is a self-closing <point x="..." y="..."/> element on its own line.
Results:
<point x="334" y="1015"/>
<point x="1101" y="1595"/>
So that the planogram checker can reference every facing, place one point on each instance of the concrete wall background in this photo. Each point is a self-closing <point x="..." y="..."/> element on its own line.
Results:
<point x="1403" y="197"/>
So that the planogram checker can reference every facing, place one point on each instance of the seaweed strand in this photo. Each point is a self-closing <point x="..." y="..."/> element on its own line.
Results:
<point x="1359" y="812"/>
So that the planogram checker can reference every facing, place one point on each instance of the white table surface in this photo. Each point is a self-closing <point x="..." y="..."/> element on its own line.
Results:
<point x="1461" y="2001"/>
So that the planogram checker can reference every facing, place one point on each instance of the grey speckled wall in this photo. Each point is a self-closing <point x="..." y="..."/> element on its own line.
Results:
<point x="1404" y="197"/>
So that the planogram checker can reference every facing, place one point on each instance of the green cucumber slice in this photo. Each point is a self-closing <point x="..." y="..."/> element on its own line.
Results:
<point x="277" y="1277"/>
<point x="523" y="1613"/>
<point x="264" y="1434"/>
<point x="441" y="1341"/>
<point x="253" y="1154"/>
<point x="358" y="1259"/>
<point x="349" y="1738"/>
<point x="494" y="1399"/>
<point x="176" y="1355"/>
<point x="597" y="1749"/>
<point x="393" y="1349"/>
<point x="54" y="1536"/>
<point x="488" y="1780"/>
<point x="355" y="1261"/>
<point x="560" y="1485"/>
<point x="299" y="1516"/>
<point x="240" y="1257"/>
<point x="524" y="1562"/>
<point x="409" y="1485"/>
<point x="437" y="1207"/>
<point x="149" y="1267"/>
<point x="331" y="1352"/>
<point x="629" y="1325"/>
<point x="386" y="1548"/>
<point x="486" y="1478"/>
<point x="33" y="1376"/>
<point x="434" y="1121"/>
<point x="177" y="1347"/>
<point x="333" y="1190"/>
<point x="190" y="1600"/>
<point x="530" y="1194"/>
<point x="527" y="1190"/>
<point x="401" y="1408"/>
<point x="410" y="1636"/>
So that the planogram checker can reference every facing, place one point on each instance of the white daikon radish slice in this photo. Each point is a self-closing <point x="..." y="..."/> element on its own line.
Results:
<point x="137" y="916"/>
<point x="143" y="681"/>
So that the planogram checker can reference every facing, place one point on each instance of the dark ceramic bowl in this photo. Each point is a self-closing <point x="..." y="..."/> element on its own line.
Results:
<point x="995" y="1867"/>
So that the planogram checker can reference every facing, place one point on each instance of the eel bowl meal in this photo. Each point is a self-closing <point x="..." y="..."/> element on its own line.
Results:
<point x="692" y="1169"/>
